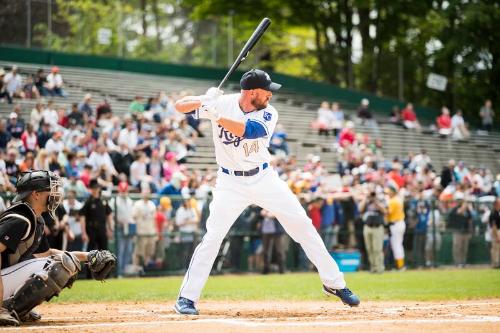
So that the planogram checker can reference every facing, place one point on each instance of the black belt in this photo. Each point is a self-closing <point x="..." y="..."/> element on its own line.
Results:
<point x="247" y="173"/>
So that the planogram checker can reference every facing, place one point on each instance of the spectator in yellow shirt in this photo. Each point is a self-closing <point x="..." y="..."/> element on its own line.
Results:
<point x="396" y="220"/>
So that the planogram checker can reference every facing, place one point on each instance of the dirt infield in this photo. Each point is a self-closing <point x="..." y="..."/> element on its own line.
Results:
<point x="272" y="316"/>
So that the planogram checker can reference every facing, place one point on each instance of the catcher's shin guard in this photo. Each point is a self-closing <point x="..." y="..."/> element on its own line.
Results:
<point x="60" y="272"/>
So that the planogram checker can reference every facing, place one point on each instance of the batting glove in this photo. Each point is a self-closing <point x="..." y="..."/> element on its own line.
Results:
<point x="208" y="112"/>
<point x="214" y="93"/>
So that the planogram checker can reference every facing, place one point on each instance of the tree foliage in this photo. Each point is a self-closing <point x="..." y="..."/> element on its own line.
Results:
<point x="357" y="44"/>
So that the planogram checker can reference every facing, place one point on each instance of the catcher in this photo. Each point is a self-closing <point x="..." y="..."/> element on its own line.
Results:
<point x="32" y="272"/>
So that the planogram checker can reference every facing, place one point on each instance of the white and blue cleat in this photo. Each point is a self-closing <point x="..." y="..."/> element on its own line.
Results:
<point x="185" y="306"/>
<point x="346" y="296"/>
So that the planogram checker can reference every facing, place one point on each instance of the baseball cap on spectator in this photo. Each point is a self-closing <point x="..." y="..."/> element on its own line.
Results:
<point x="13" y="115"/>
<point x="258" y="79"/>
<point x="365" y="102"/>
<point x="57" y="134"/>
<point x="94" y="184"/>
<point x="459" y="196"/>
<point x="55" y="69"/>
<point x="88" y="96"/>
<point x="165" y="202"/>
<point x="122" y="187"/>
<point x="392" y="188"/>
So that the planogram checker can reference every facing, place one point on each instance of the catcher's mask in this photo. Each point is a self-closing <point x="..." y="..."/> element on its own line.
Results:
<point x="40" y="181"/>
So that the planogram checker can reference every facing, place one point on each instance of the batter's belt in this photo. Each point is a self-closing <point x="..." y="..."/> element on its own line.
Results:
<point x="247" y="173"/>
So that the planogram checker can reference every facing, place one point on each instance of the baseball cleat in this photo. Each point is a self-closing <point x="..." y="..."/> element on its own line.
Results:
<point x="31" y="317"/>
<point x="346" y="296"/>
<point x="185" y="306"/>
<point x="7" y="318"/>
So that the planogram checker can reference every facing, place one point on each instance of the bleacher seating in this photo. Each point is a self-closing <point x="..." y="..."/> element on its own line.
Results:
<point x="295" y="113"/>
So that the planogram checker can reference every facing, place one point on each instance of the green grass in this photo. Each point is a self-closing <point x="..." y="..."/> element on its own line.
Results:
<point x="411" y="285"/>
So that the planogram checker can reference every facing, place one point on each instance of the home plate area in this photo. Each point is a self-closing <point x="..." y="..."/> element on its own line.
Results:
<point x="272" y="316"/>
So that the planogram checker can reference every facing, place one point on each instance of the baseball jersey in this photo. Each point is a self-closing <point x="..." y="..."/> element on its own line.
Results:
<point x="240" y="153"/>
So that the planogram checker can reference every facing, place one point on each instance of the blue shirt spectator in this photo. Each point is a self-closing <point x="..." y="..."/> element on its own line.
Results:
<point x="84" y="106"/>
<point x="15" y="127"/>
<point x="423" y="211"/>
<point x="4" y="135"/>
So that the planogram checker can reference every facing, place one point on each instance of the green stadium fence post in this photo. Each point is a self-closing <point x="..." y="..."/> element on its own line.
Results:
<point x="115" y="230"/>
<point x="434" y="250"/>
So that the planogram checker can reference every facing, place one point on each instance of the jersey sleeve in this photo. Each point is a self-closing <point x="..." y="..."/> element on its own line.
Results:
<point x="254" y="129"/>
<point x="268" y="119"/>
<point x="12" y="231"/>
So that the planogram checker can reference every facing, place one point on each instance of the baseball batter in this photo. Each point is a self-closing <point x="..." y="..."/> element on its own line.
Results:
<point x="242" y="127"/>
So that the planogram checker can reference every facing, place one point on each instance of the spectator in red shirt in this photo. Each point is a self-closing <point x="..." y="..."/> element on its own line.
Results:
<point x="86" y="174"/>
<point x="315" y="212"/>
<point x="63" y="119"/>
<point x="395" y="175"/>
<point x="29" y="138"/>
<point x="444" y="122"/>
<point x="347" y="135"/>
<point x="409" y="117"/>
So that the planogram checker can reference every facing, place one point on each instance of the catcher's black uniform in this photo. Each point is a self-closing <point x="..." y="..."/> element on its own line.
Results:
<point x="29" y="280"/>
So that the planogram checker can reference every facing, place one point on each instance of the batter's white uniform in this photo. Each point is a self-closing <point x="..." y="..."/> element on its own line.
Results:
<point x="232" y="194"/>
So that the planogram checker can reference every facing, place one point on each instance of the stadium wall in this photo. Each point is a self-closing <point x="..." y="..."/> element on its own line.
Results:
<point x="380" y="105"/>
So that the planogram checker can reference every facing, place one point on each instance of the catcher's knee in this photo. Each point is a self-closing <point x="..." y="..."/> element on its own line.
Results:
<point x="60" y="272"/>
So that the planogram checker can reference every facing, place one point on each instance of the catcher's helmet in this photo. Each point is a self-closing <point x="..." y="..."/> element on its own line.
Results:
<point x="40" y="181"/>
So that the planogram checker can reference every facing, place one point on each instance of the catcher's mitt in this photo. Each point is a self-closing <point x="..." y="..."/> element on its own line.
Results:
<point x="101" y="263"/>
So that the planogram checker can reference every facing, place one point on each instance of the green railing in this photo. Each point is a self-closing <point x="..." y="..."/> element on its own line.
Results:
<point x="244" y="240"/>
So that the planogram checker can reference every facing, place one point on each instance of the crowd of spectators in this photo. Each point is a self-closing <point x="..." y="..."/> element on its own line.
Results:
<point x="14" y="85"/>
<point x="370" y="201"/>
<point x="404" y="193"/>
<point x="446" y="125"/>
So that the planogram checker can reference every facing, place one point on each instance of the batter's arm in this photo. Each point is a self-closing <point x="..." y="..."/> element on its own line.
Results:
<point x="188" y="104"/>
<point x="234" y="127"/>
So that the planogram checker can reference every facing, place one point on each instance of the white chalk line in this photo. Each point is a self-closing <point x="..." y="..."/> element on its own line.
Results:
<point x="247" y="323"/>
<point x="438" y="306"/>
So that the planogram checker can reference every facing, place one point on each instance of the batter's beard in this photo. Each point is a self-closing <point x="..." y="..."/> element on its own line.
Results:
<point x="259" y="106"/>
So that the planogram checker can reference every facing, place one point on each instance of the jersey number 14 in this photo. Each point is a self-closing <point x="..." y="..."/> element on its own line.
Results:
<point x="252" y="148"/>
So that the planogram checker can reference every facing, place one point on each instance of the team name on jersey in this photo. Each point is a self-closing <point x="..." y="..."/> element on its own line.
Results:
<point x="228" y="138"/>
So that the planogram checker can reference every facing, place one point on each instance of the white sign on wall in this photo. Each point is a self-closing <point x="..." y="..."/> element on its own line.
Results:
<point x="104" y="36"/>
<point x="437" y="82"/>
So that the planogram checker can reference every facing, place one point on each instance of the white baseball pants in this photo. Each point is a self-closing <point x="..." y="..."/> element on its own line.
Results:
<point x="15" y="276"/>
<point x="231" y="196"/>
<point x="397" y="235"/>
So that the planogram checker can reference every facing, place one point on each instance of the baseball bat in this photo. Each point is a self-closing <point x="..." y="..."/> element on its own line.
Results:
<point x="257" y="34"/>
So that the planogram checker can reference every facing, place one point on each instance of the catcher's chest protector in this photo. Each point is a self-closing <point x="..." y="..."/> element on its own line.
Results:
<point x="33" y="236"/>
